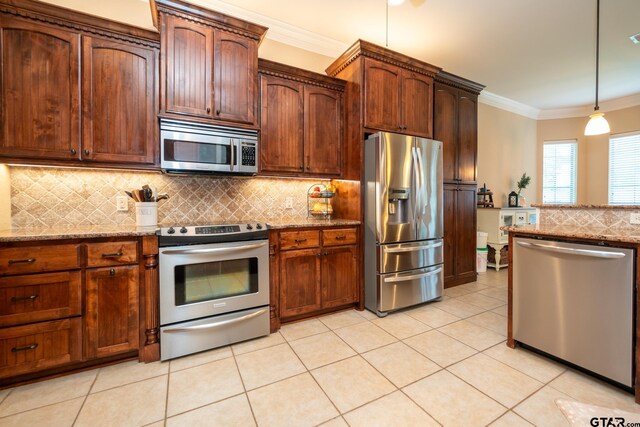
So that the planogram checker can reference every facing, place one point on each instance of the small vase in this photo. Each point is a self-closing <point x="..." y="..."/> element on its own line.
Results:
<point x="522" y="202"/>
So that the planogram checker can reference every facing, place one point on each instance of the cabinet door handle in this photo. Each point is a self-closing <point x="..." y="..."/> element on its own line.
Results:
<point x="113" y="255"/>
<point x="326" y="253"/>
<point x="341" y="237"/>
<point x="208" y="110"/>
<point x="217" y="112"/>
<point x="19" y="261"/>
<point x="26" y="347"/>
<point x="319" y="254"/>
<point x="73" y="151"/>
<point x="301" y="167"/>
<point x="112" y="272"/>
<point x="308" y="168"/>
<point x="86" y="152"/>
<point x="300" y="240"/>
<point x="30" y="298"/>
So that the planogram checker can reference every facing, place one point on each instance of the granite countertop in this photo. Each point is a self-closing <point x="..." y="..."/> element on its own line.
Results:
<point x="629" y="235"/>
<point x="311" y="222"/>
<point x="74" y="232"/>
<point x="586" y="206"/>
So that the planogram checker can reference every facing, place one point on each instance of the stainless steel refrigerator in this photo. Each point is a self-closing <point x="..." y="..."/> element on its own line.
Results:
<point x="403" y="250"/>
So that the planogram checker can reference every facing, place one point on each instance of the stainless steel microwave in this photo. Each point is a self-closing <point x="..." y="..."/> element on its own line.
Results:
<point x="187" y="147"/>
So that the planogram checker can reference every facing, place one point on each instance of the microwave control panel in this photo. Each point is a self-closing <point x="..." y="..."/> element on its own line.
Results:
<point x="248" y="154"/>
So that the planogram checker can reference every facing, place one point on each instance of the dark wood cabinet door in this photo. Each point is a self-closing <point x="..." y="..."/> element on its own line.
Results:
<point x="118" y="102"/>
<point x="339" y="275"/>
<point x="465" y="240"/>
<point x="381" y="95"/>
<point x="416" y="97"/>
<point x="300" y="286"/>
<point x="445" y="129"/>
<point x="281" y="126"/>
<point x="112" y="304"/>
<point x="187" y="71"/>
<point x="40" y="105"/>
<point x="236" y="72"/>
<point x="467" y="137"/>
<point x="449" y="230"/>
<point x="323" y="131"/>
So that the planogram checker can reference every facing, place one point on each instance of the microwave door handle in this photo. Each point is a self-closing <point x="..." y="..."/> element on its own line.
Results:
<point x="233" y="153"/>
<point x="212" y="250"/>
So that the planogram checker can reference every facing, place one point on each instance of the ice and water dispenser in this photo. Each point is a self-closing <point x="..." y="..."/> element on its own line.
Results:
<point x="398" y="205"/>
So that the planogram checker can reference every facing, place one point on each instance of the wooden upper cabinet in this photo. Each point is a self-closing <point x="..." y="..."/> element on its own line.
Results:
<point x="323" y="131"/>
<point x="118" y="102"/>
<point x="187" y="72"/>
<point x="445" y="129"/>
<point x="236" y="60"/>
<point x="40" y="105"/>
<point x="381" y="95"/>
<point x="416" y="103"/>
<point x="281" y="125"/>
<point x="467" y="136"/>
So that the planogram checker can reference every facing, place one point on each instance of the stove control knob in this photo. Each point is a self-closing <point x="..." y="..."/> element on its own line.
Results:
<point x="183" y="230"/>
<point x="249" y="227"/>
<point x="171" y="230"/>
<point x="259" y="226"/>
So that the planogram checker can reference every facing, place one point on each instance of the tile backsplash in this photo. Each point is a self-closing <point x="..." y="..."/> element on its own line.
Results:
<point x="609" y="217"/>
<point x="46" y="197"/>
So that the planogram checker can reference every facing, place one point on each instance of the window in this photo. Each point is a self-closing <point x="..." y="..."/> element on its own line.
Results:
<point x="624" y="169"/>
<point x="559" y="166"/>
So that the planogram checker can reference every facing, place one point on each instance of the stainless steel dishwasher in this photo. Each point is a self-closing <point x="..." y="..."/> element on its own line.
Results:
<point x="575" y="301"/>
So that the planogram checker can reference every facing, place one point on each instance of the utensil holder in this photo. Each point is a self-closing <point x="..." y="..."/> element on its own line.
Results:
<point x="146" y="214"/>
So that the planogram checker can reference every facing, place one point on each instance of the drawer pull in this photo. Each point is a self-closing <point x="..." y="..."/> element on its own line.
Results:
<point x="30" y="298"/>
<point x="113" y="255"/>
<point x="342" y="237"/>
<point x="18" y="261"/>
<point x="25" y="348"/>
<point x="300" y="240"/>
<point x="112" y="272"/>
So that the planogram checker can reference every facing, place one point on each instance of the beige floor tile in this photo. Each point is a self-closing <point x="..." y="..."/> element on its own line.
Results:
<point x="336" y="422"/>
<point x="500" y="382"/>
<point x="57" y="415"/>
<point x="587" y="389"/>
<point x="156" y="424"/>
<point x="44" y="393"/>
<point x="258" y="343"/>
<point x="351" y="383"/>
<point x="494" y="278"/>
<point x="400" y="325"/>
<point x="297" y="401"/>
<point x="474" y="286"/>
<point x="342" y="319"/>
<point x="492" y="321"/>
<point x="455" y="291"/>
<point x="432" y="316"/>
<point x="400" y="363"/>
<point x="540" y="368"/>
<point x="130" y="405"/>
<point x="481" y="301"/>
<point x="232" y="412"/>
<point x="472" y="335"/>
<point x="394" y="409"/>
<point x="202" y="385"/>
<point x="459" y="308"/>
<point x="295" y="331"/>
<point x="322" y="349"/>
<point x="268" y="365"/>
<point x="452" y="402"/>
<point x="200" y="358"/>
<point x="510" y="420"/>
<point x="367" y="314"/>
<point x="365" y="336"/>
<point x="541" y="410"/>
<point x="502" y="310"/>
<point x="497" y="293"/>
<point x="4" y="393"/>
<point x="127" y="373"/>
<point x="440" y="348"/>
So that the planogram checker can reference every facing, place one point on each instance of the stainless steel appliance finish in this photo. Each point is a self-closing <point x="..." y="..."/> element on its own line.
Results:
<point x="214" y="286"/>
<point x="403" y="221"/>
<point x="575" y="301"/>
<point x="201" y="148"/>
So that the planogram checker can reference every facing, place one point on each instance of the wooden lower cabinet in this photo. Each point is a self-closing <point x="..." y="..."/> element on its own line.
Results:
<point x="111" y="323"/>
<point x="300" y="282"/>
<point x="339" y="275"/>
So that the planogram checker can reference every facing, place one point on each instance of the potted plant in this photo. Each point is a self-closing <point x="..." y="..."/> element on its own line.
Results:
<point x="522" y="184"/>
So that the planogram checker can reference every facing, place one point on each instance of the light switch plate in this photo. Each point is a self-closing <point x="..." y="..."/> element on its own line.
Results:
<point x="122" y="204"/>
<point x="288" y="203"/>
<point x="634" y="218"/>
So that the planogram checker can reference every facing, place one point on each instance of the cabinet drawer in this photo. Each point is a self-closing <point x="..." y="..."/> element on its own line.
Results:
<point x="39" y="346"/>
<point x="34" y="259"/>
<point x="111" y="253"/>
<point x="33" y="298"/>
<point x="299" y="239"/>
<point x="340" y="236"/>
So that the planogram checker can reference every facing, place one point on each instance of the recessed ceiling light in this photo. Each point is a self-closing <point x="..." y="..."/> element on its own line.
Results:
<point x="395" y="2"/>
<point x="635" y="38"/>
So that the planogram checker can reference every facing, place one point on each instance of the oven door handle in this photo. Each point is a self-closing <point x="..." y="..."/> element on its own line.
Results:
<point x="217" y="324"/>
<point x="213" y="250"/>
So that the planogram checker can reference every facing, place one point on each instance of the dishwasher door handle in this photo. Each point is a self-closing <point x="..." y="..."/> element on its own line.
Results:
<point x="573" y="251"/>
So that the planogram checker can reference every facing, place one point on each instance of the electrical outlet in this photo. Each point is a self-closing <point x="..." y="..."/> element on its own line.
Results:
<point x="122" y="203"/>
<point x="634" y="218"/>
<point x="288" y="203"/>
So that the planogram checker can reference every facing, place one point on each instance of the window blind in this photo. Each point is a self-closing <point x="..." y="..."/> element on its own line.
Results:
<point x="559" y="169"/>
<point x="624" y="169"/>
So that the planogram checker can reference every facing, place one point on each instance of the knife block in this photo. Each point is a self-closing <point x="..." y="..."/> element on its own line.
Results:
<point x="146" y="214"/>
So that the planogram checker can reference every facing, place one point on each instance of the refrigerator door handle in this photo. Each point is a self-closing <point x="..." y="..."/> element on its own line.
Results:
<point x="417" y="183"/>
<point x="423" y="184"/>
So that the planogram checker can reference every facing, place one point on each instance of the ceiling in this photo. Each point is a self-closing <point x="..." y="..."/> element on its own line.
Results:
<point x="540" y="53"/>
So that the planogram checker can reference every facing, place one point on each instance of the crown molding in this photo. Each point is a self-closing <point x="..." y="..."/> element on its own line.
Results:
<point x="489" y="98"/>
<point x="586" y="110"/>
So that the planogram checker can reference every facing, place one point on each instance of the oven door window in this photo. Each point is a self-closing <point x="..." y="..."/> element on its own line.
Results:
<point x="197" y="152"/>
<point x="215" y="280"/>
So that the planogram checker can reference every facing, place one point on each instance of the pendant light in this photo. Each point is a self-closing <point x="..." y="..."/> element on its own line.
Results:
<point x="597" y="124"/>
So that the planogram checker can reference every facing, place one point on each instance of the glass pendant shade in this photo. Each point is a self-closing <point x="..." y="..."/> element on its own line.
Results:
<point x="597" y="125"/>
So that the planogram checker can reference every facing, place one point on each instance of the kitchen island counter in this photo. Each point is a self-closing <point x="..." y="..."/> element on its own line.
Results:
<point x="607" y="234"/>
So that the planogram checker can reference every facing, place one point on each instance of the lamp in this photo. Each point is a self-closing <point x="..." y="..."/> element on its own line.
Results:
<point x="597" y="124"/>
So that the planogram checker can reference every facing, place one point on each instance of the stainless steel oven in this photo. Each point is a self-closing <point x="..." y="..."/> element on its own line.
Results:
<point x="201" y="148"/>
<point x="214" y="286"/>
